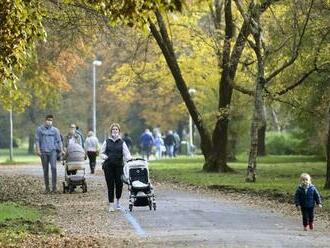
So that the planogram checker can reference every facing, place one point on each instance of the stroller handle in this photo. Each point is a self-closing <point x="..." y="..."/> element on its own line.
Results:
<point x="136" y="159"/>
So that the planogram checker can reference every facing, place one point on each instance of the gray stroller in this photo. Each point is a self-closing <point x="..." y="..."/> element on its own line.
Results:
<point x="136" y="176"/>
<point x="74" y="169"/>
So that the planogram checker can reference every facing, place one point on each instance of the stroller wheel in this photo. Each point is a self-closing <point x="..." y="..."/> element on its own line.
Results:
<point x="84" y="187"/>
<point x="64" y="188"/>
<point x="130" y="206"/>
<point x="71" y="188"/>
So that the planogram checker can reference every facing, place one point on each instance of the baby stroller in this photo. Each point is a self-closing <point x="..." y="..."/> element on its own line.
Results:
<point x="136" y="176"/>
<point x="74" y="169"/>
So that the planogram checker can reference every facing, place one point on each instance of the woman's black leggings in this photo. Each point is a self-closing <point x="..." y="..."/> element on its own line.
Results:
<point x="92" y="160"/>
<point x="113" y="175"/>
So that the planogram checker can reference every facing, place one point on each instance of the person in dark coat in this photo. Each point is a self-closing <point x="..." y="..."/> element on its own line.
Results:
<point x="305" y="198"/>
<point x="114" y="151"/>
<point x="128" y="141"/>
<point x="169" y="142"/>
<point x="146" y="142"/>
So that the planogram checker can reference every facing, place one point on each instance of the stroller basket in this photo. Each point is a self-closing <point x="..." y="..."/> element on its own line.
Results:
<point x="79" y="165"/>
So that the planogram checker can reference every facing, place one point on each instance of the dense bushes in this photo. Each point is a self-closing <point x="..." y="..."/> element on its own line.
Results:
<point x="284" y="143"/>
<point x="4" y="141"/>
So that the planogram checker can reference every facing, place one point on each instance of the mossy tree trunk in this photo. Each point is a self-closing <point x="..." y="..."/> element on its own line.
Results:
<point x="327" y="178"/>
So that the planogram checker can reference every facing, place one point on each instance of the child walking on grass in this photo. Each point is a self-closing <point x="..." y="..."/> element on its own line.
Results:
<point x="305" y="198"/>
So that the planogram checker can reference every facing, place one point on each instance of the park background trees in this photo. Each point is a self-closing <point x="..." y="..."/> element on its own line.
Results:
<point x="154" y="51"/>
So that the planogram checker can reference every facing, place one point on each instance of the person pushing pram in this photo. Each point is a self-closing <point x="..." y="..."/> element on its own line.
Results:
<point x="73" y="160"/>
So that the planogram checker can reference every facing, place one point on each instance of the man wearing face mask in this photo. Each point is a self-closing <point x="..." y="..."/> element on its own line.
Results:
<point x="113" y="151"/>
<point x="47" y="141"/>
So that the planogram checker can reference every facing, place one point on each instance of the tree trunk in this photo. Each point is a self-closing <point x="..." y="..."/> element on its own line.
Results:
<point x="276" y="123"/>
<point x="164" y="43"/>
<point x="327" y="180"/>
<point x="31" y="143"/>
<point x="262" y="140"/>
<point x="258" y="114"/>
<point x="256" y="125"/>
<point x="214" y="149"/>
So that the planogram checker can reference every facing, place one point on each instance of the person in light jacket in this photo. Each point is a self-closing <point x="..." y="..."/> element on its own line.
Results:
<point x="47" y="143"/>
<point x="92" y="149"/>
<point x="114" y="151"/>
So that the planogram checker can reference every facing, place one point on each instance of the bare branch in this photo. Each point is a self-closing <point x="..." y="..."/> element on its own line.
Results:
<point x="302" y="79"/>
<point x="295" y="49"/>
<point x="296" y="106"/>
<point x="242" y="89"/>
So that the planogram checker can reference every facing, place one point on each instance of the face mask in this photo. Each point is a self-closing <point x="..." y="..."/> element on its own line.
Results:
<point x="115" y="133"/>
<point x="49" y="123"/>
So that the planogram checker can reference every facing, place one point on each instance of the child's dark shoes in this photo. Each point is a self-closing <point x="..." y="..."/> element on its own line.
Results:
<point x="311" y="226"/>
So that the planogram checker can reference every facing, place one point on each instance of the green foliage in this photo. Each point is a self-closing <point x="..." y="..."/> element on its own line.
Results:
<point x="17" y="221"/>
<point x="282" y="144"/>
<point x="10" y="211"/>
<point x="20" y="155"/>
<point x="20" y="27"/>
<point x="132" y="12"/>
<point x="293" y="143"/>
<point x="275" y="180"/>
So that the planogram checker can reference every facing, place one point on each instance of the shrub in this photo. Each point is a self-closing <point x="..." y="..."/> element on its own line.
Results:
<point x="283" y="143"/>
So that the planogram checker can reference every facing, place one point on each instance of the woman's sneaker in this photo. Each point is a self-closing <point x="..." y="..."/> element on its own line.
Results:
<point x="111" y="209"/>
<point x="118" y="205"/>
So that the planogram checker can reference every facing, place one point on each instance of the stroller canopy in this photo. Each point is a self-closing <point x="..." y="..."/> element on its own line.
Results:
<point x="75" y="152"/>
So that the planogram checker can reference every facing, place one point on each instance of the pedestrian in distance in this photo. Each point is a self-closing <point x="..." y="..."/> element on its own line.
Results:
<point x="92" y="150"/>
<point x="128" y="141"/>
<point x="305" y="198"/>
<point x="146" y="143"/>
<point x="114" y="151"/>
<point x="177" y="144"/>
<point x="169" y="142"/>
<point x="159" y="144"/>
<point x="79" y="132"/>
<point x="47" y="144"/>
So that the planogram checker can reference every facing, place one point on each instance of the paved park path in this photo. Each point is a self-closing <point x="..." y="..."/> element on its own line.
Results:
<point x="183" y="218"/>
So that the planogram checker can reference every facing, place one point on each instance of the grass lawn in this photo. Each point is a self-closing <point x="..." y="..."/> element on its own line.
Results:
<point x="20" y="156"/>
<point x="16" y="221"/>
<point x="277" y="176"/>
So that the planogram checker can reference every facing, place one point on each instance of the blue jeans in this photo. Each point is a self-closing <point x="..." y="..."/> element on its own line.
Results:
<point x="169" y="150"/>
<point x="46" y="159"/>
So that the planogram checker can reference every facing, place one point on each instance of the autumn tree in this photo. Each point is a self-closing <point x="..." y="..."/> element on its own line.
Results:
<point x="260" y="47"/>
<point x="20" y="28"/>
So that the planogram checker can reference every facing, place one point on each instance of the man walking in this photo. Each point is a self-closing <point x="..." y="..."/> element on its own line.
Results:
<point x="48" y="143"/>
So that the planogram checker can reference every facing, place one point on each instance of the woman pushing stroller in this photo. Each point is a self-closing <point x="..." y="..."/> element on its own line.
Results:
<point x="114" y="151"/>
<point x="72" y="138"/>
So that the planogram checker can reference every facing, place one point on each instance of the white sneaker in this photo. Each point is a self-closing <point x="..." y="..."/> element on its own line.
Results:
<point x="118" y="205"/>
<point x="111" y="209"/>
